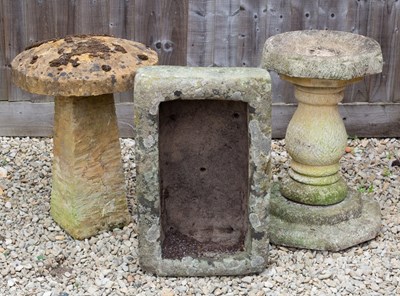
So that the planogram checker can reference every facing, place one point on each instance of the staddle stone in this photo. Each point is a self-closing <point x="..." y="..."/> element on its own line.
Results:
<point x="83" y="72"/>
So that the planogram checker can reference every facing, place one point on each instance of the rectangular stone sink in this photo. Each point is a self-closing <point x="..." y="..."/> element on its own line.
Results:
<point x="203" y="172"/>
<point x="203" y="165"/>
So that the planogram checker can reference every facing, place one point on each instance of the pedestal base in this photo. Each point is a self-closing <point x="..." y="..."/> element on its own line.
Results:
<point x="354" y="220"/>
<point x="315" y="195"/>
<point x="88" y="193"/>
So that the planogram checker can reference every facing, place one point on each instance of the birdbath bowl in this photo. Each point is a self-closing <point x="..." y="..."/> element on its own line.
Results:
<point x="314" y="208"/>
<point x="83" y="72"/>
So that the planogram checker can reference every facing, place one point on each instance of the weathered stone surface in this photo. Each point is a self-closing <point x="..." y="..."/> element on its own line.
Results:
<point x="204" y="160"/>
<point x="154" y="85"/>
<point x="82" y="72"/>
<point x="88" y="193"/>
<point x="295" y="212"/>
<point x="315" y="139"/>
<point x="320" y="64"/>
<point x="322" y="54"/>
<point x="337" y="227"/>
<point x="81" y="65"/>
<point x="321" y="195"/>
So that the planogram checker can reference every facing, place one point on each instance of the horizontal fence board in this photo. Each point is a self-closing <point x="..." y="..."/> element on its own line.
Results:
<point x="362" y="120"/>
<point x="36" y="119"/>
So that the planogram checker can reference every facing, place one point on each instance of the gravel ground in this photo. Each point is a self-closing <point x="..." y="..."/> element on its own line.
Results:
<point x="38" y="258"/>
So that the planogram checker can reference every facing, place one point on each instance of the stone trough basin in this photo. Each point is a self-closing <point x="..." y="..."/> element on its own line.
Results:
<point x="203" y="169"/>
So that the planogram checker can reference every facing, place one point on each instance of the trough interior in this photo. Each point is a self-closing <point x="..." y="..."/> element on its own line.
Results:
<point x="204" y="159"/>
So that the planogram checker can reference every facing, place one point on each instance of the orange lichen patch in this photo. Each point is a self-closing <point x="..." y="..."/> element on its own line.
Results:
<point x="82" y="65"/>
<point x="348" y="149"/>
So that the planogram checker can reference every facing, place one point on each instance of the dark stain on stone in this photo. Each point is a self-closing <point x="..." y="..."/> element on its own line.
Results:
<point x="62" y="60"/>
<point x="143" y="57"/>
<point x="60" y="51"/>
<point x="68" y="39"/>
<point x="251" y="109"/>
<point x="34" y="59"/>
<point x="210" y="262"/>
<point x="113" y="79"/>
<point x="75" y="62"/>
<point x="177" y="93"/>
<point x="84" y="36"/>
<point x="50" y="74"/>
<point x="62" y="74"/>
<point x="119" y="48"/>
<point x="105" y="68"/>
<point x="91" y="46"/>
<point x="149" y="205"/>
<point x="258" y="235"/>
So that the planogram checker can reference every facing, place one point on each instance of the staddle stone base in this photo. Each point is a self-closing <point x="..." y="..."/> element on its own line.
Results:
<point x="88" y="193"/>
<point x="336" y="227"/>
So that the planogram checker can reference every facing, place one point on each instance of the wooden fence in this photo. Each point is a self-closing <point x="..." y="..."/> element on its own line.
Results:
<point x="204" y="33"/>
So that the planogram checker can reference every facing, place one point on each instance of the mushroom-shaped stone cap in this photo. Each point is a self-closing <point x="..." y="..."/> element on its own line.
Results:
<point x="322" y="54"/>
<point x="82" y="65"/>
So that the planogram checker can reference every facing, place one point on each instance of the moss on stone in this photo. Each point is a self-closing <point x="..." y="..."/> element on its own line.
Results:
<point x="333" y="228"/>
<point x="312" y="194"/>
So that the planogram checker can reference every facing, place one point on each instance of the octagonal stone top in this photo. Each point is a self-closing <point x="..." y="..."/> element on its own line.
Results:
<point x="322" y="54"/>
<point x="82" y="65"/>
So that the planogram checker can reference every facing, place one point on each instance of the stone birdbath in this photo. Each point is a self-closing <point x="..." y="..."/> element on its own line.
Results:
<point x="313" y="206"/>
<point x="83" y="72"/>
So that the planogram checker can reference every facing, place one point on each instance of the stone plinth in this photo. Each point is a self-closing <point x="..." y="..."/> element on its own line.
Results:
<point x="82" y="72"/>
<point x="203" y="169"/>
<point x="320" y="64"/>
